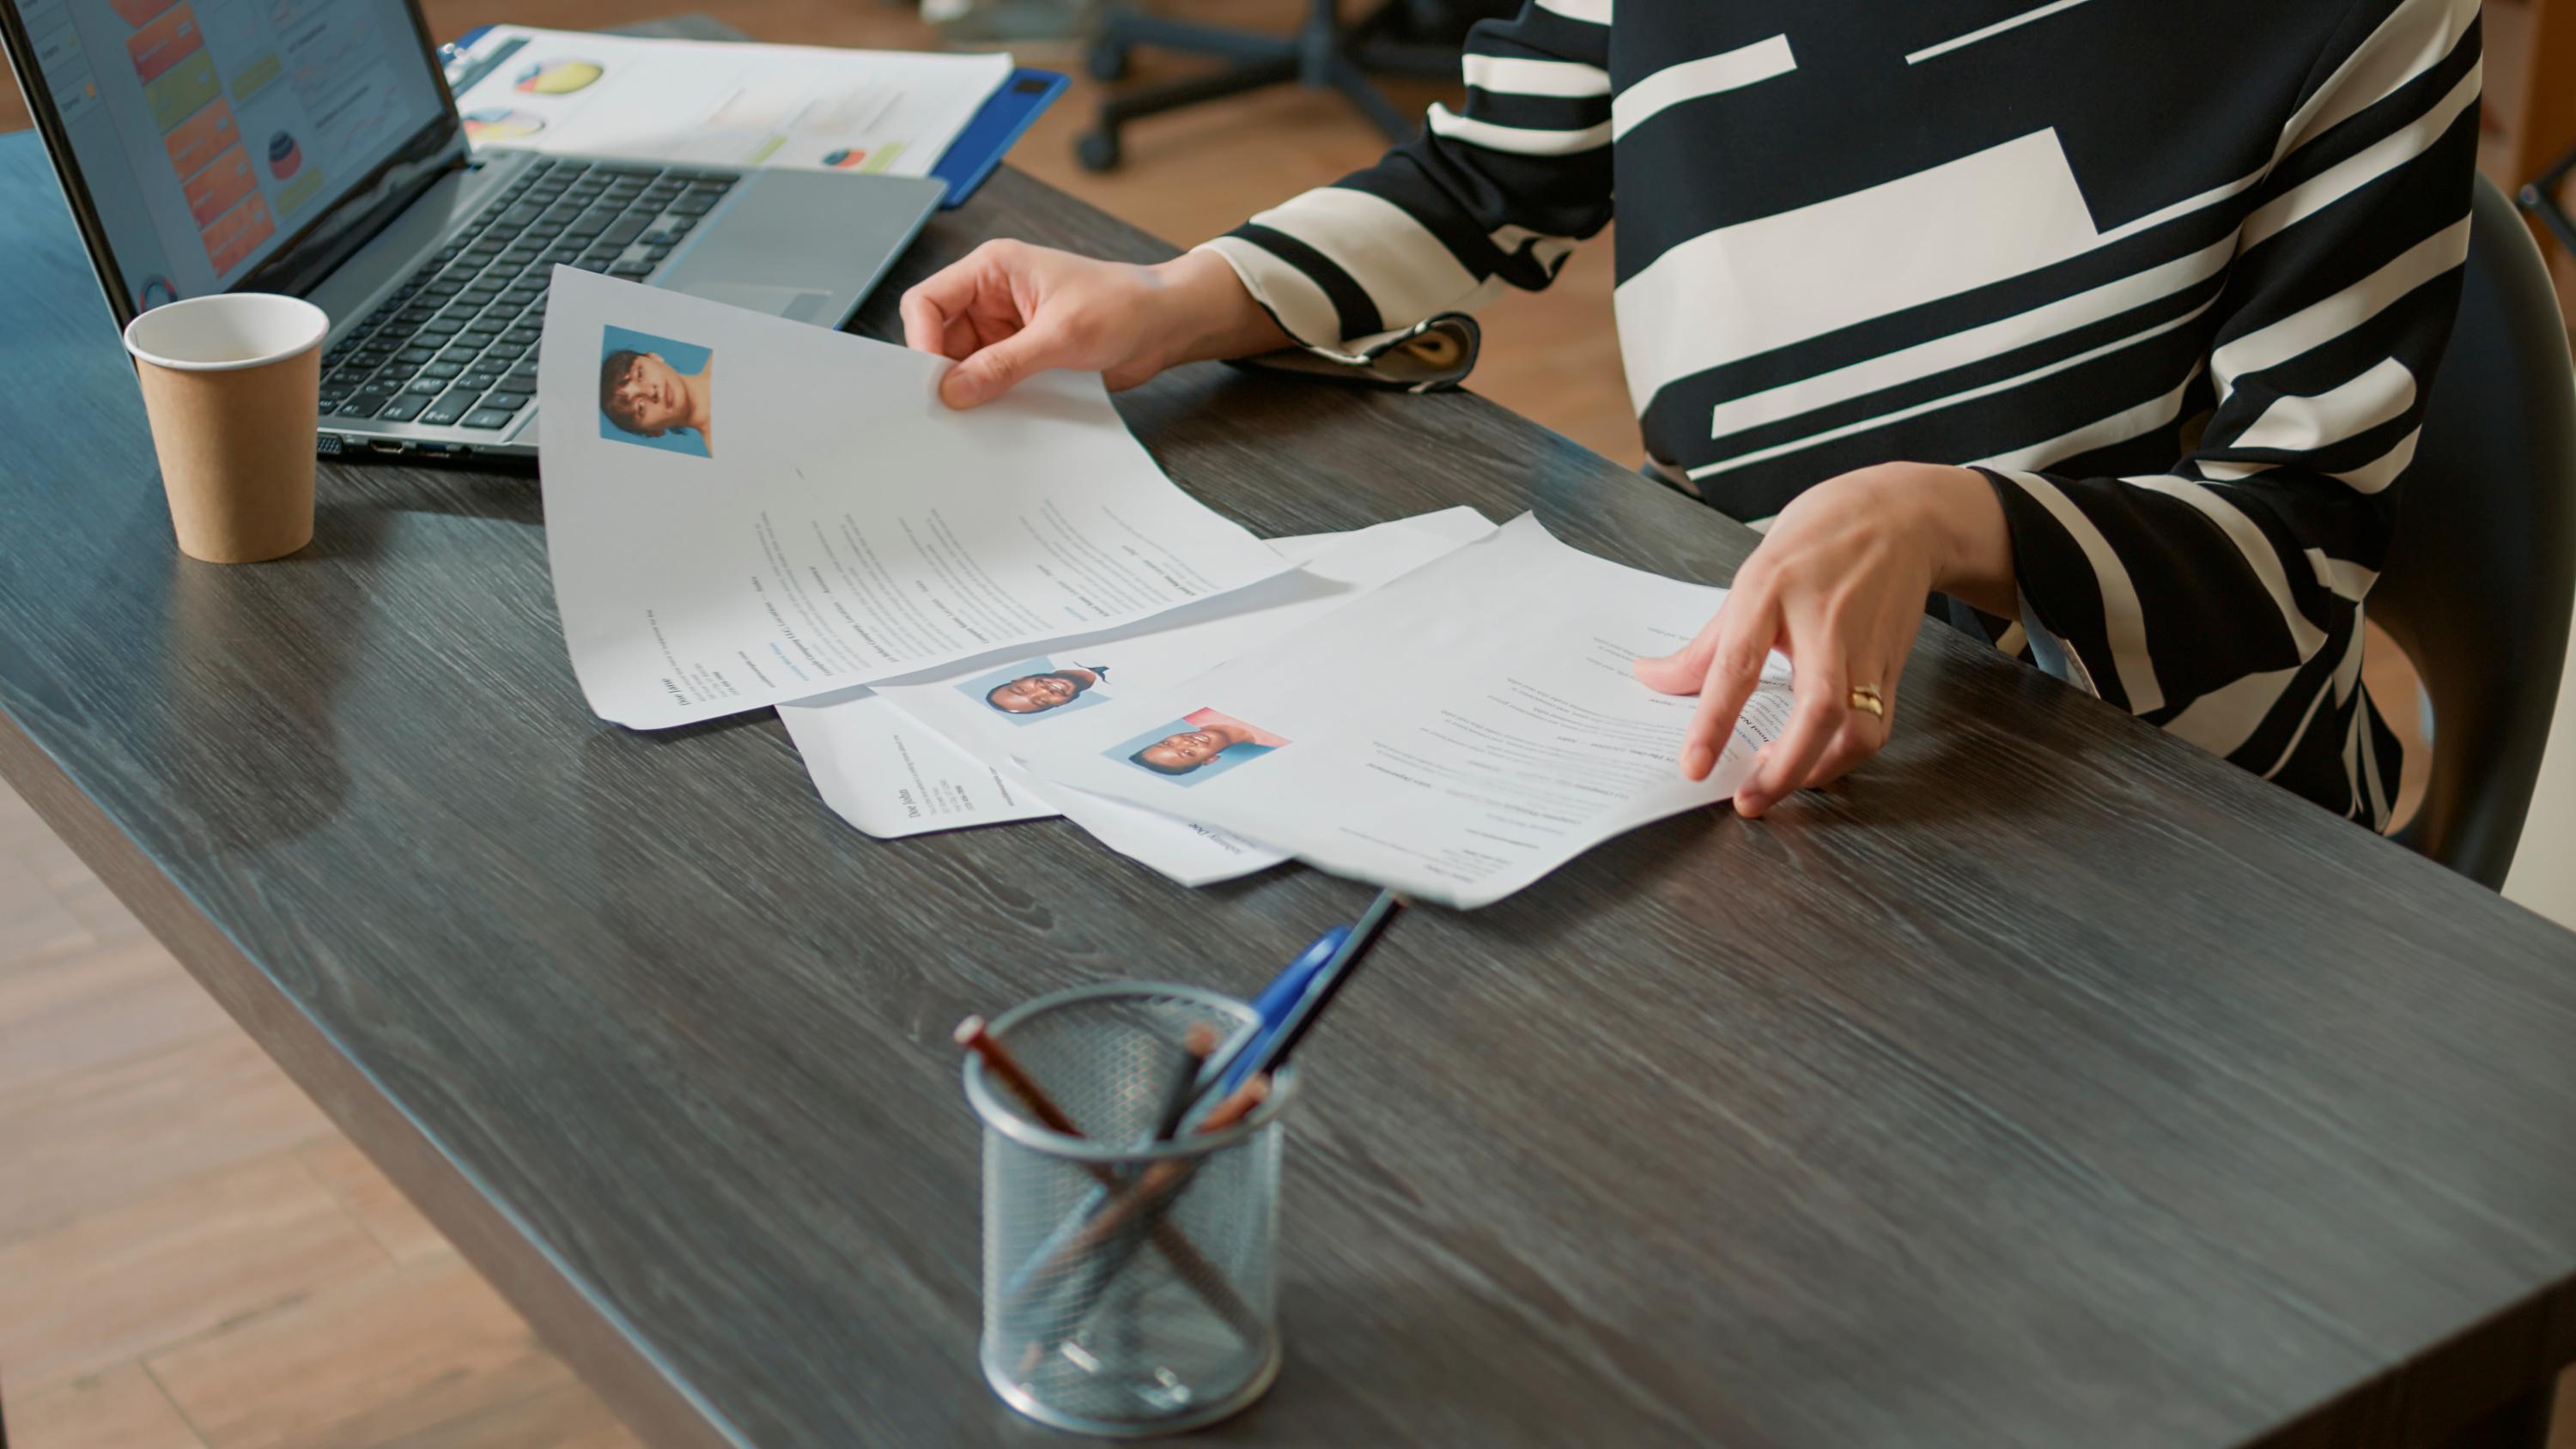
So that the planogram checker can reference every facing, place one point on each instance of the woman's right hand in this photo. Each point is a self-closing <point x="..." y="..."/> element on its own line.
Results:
<point x="1010" y="309"/>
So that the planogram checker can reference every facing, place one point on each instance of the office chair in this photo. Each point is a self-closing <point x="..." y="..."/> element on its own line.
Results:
<point x="2479" y="586"/>
<point x="2540" y="198"/>
<point x="1323" y="53"/>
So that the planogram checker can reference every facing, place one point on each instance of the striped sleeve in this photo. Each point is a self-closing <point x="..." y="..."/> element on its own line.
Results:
<point x="2223" y="599"/>
<point x="1498" y="192"/>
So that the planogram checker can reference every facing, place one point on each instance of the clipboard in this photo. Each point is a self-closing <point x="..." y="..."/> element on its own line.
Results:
<point x="1007" y="113"/>
<point x="973" y="156"/>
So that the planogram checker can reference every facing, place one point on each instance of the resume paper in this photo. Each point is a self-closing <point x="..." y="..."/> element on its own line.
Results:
<point x="1454" y="734"/>
<point x="847" y="527"/>
<point x="997" y="711"/>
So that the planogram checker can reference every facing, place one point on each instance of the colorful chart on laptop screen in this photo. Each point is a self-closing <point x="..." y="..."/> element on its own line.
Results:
<point x="209" y="129"/>
<point x="157" y="48"/>
<point x="500" y="124"/>
<point x="559" y="77"/>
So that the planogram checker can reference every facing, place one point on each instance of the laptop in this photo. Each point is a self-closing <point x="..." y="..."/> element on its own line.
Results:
<point x="312" y="147"/>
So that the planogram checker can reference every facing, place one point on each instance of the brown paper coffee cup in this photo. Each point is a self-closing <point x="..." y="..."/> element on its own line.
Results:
<point x="232" y="385"/>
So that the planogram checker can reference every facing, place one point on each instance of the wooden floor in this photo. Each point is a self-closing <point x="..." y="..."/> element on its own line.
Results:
<point x="189" y="1254"/>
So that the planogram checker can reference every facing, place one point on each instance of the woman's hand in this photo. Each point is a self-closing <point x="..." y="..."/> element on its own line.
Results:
<point x="1838" y="585"/>
<point x="1010" y="309"/>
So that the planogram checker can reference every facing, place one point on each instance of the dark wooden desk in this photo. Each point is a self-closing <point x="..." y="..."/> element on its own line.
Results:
<point x="2054" y="1084"/>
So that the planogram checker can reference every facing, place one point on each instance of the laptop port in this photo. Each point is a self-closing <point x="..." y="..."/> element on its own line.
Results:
<point x="386" y="445"/>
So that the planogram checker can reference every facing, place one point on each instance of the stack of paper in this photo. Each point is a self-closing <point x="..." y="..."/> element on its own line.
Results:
<point x="1000" y="712"/>
<point x="974" y="618"/>
<point x="1456" y="734"/>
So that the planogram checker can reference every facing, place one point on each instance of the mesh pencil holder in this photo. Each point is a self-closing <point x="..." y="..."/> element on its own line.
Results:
<point x="1130" y="1287"/>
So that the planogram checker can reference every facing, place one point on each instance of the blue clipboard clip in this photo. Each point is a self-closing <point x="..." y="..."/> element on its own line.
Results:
<point x="989" y="137"/>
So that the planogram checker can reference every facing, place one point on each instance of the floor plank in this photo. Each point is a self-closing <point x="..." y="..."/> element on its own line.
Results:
<point x="119" y="1408"/>
<point x="95" y="1008"/>
<point x="189" y="1258"/>
<point x="35" y="925"/>
<point x="567" y="1416"/>
<point x="78" y="1143"/>
<point x="371" y="1360"/>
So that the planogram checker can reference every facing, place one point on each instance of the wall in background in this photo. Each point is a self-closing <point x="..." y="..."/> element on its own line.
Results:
<point x="2530" y="121"/>
<point x="2544" y="872"/>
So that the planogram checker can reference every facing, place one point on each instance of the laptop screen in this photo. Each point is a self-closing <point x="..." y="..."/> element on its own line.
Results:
<point x="208" y="134"/>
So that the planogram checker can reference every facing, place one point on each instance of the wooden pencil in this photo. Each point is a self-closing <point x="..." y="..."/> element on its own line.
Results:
<point x="976" y="1037"/>
<point x="1187" y="1261"/>
<point x="1158" y="1181"/>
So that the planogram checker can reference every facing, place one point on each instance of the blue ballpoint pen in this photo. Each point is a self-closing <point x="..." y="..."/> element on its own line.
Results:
<point x="1232" y="1062"/>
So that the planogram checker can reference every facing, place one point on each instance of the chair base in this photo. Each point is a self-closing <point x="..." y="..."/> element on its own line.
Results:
<point x="1323" y="54"/>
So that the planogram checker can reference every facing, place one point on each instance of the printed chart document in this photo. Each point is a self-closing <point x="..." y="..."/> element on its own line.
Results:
<point x="848" y="527"/>
<point x="873" y="111"/>
<point x="1455" y="734"/>
<point x="997" y="712"/>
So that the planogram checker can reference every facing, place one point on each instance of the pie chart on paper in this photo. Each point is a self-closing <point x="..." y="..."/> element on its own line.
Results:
<point x="559" y="77"/>
<point x="499" y="123"/>
<point x="284" y="156"/>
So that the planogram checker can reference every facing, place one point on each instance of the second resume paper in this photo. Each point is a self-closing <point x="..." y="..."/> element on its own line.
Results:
<point x="893" y="776"/>
<point x="1455" y="735"/>
<point x="743" y="510"/>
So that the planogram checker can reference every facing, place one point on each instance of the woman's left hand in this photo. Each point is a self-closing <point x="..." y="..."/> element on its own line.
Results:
<point x="1839" y="586"/>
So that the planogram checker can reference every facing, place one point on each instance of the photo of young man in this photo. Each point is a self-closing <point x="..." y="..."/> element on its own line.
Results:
<point x="657" y="392"/>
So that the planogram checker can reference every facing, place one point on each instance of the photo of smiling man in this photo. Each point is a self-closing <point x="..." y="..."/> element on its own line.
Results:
<point x="656" y="393"/>
<point x="1036" y="687"/>
<point x="1197" y="747"/>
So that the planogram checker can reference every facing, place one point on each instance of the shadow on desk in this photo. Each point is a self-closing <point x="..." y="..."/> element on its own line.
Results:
<point x="357" y="502"/>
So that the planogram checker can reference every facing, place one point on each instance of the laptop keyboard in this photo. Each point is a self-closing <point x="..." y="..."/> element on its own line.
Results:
<point x="456" y="344"/>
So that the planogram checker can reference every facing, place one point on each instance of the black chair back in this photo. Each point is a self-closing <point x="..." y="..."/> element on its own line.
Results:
<point x="2482" y="573"/>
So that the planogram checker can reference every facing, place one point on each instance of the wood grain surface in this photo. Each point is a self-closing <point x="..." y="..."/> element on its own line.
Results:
<point x="2052" y="1083"/>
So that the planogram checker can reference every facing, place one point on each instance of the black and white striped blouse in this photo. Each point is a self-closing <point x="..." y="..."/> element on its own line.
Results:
<point x="2174" y="273"/>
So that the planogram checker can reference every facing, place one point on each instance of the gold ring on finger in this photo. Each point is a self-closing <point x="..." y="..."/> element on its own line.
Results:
<point x="1865" y="697"/>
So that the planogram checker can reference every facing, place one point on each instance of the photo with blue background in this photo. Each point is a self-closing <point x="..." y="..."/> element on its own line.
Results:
<point x="1233" y="757"/>
<point x="684" y="357"/>
<point x="984" y="684"/>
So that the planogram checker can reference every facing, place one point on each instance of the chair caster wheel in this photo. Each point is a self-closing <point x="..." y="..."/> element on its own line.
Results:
<point x="1106" y="62"/>
<point x="1097" y="150"/>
